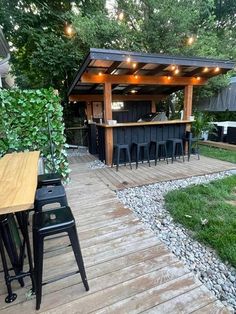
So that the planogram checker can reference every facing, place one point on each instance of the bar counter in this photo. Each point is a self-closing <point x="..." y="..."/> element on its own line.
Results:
<point x="127" y="133"/>
<point x="144" y="123"/>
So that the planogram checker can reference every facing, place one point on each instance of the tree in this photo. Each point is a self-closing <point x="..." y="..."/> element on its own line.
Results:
<point x="44" y="55"/>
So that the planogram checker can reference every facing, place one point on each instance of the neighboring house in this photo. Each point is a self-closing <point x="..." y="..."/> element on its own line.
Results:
<point x="5" y="79"/>
<point x="224" y="100"/>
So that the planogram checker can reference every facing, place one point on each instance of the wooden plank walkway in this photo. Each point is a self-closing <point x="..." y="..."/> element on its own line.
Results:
<point x="128" y="268"/>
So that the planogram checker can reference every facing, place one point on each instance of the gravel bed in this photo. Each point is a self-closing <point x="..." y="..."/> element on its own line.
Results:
<point x="147" y="202"/>
<point x="96" y="164"/>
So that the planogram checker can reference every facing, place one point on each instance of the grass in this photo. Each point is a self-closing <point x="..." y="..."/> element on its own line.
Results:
<point x="218" y="153"/>
<point x="215" y="203"/>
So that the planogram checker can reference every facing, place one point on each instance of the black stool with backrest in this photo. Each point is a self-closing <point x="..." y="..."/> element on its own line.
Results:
<point x="141" y="148"/>
<point x="176" y="147"/>
<point x="116" y="154"/>
<point x="48" y="223"/>
<point x="160" y="150"/>
<point x="47" y="179"/>
<point x="49" y="195"/>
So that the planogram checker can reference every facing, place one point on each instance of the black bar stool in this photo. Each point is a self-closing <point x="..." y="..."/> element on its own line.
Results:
<point x="49" y="223"/>
<point x="159" y="150"/>
<point x="49" y="195"/>
<point x="144" y="147"/>
<point x="116" y="154"/>
<point x="49" y="179"/>
<point x="177" y="147"/>
<point x="190" y="140"/>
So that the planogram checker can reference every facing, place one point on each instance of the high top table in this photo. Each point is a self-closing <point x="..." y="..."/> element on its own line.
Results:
<point x="18" y="183"/>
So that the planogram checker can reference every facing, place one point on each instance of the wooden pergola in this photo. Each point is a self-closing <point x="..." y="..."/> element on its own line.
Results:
<point x="113" y="75"/>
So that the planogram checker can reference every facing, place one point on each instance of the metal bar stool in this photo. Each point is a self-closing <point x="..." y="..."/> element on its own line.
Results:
<point x="176" y="146"/>
<point x="49" y="195"/>
<point x="49" y="179"/>
<point x="141" y="147"/>
<point x="54" y="221"/>
<point x="159" y="150"/>
<point x="116" y="154"/>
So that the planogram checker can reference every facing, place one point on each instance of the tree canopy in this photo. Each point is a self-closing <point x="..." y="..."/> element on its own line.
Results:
<point x="45" y="52"/>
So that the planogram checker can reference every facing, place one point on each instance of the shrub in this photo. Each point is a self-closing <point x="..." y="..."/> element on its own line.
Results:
<point x="26" y="116"/>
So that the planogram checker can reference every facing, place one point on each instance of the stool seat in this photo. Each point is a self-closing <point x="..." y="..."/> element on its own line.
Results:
<point x="53" y="220"/>
<point x="48" y="195"/>
<point x="49" y="179"/>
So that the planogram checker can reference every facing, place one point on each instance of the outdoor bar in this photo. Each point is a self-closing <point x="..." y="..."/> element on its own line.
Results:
<point x="118" y="88"/>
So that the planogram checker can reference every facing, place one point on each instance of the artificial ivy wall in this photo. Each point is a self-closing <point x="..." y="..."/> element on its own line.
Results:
<point x="33" y="120"/>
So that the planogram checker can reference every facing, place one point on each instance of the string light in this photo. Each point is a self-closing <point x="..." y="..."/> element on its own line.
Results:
<point x="134" y="65"/>
<point x="190" y="40"/>
<point x="136" y="76"/>
<point x="198" y="78"/>
<point x="121" y="16"/>
<point x="217" y="69"/>
<point x="128" y="59"/>
<point x="206" y="69"/>
<point x="69" y="30"/>
<point x="133" y="91"/>
<point x="168" y="77"/>
<point x="100" y="73"/>
<point x="173" y="67"/>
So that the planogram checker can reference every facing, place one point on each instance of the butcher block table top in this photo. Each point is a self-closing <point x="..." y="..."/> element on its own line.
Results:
<point x="18" y="181"/>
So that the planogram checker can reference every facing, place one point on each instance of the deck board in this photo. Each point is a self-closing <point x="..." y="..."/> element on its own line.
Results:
<point x="128" y="268"/>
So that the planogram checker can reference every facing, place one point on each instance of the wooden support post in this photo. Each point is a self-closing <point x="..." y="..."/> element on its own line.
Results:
<point x="89" y="111"/>
<point x="188" y="99"/>
<point x="108" y="116"/>
<point x="153" y="109"/>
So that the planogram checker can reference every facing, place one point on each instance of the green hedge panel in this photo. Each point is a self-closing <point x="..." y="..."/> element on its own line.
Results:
<point x="24" y="116"/>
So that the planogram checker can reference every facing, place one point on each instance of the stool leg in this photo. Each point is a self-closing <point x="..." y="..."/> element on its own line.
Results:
<point x="118" y="158"/>
<point x="129" y="158"/>
<point x="156" y="153"/>
<point x="148" y="156"/>
<point x="11" y="296"/>
<point x="165" y="152"/>
<point x="137" y="156"/>
<point x="78" y="256"/>
<point x="182" y="150"/>
<point x="173" y="152"/>
<point x="189" y="148"/>
<point x="38" y="267"/>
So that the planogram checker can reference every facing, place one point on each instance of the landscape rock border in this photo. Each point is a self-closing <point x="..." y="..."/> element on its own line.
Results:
<point x="147" y="202"/>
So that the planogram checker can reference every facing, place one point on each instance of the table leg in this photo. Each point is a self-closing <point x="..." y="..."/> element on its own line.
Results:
<point x="23" y="218"/>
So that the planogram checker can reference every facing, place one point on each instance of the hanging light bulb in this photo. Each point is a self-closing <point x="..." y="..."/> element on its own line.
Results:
<point x="217" y="69"/>
<point x="176" y="71"/>
<point x="128" y="59"/>
<point x="206" y="69"/>
<point x="173" y="67"/>
<point x="134" y="65"/>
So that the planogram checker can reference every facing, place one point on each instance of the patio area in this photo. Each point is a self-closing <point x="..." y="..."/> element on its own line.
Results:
<point x="128" y="268"/>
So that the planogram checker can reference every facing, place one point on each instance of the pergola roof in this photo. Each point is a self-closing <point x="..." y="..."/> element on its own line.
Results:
<point x="157" y="67"/>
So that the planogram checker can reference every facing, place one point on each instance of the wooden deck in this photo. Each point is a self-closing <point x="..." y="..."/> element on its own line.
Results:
<point x="128" y="268"/>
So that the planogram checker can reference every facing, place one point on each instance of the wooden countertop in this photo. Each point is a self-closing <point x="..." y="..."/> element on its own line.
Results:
<point x="144" y="123"/>
<point x="18" y="181"/>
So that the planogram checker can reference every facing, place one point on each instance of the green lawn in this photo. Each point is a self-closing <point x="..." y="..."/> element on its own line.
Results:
<point x="218" y="153"/>
<point x="214" y="202"/>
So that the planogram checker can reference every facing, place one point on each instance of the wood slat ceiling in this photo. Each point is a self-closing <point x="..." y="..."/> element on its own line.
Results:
<point x="115" y="62"/>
